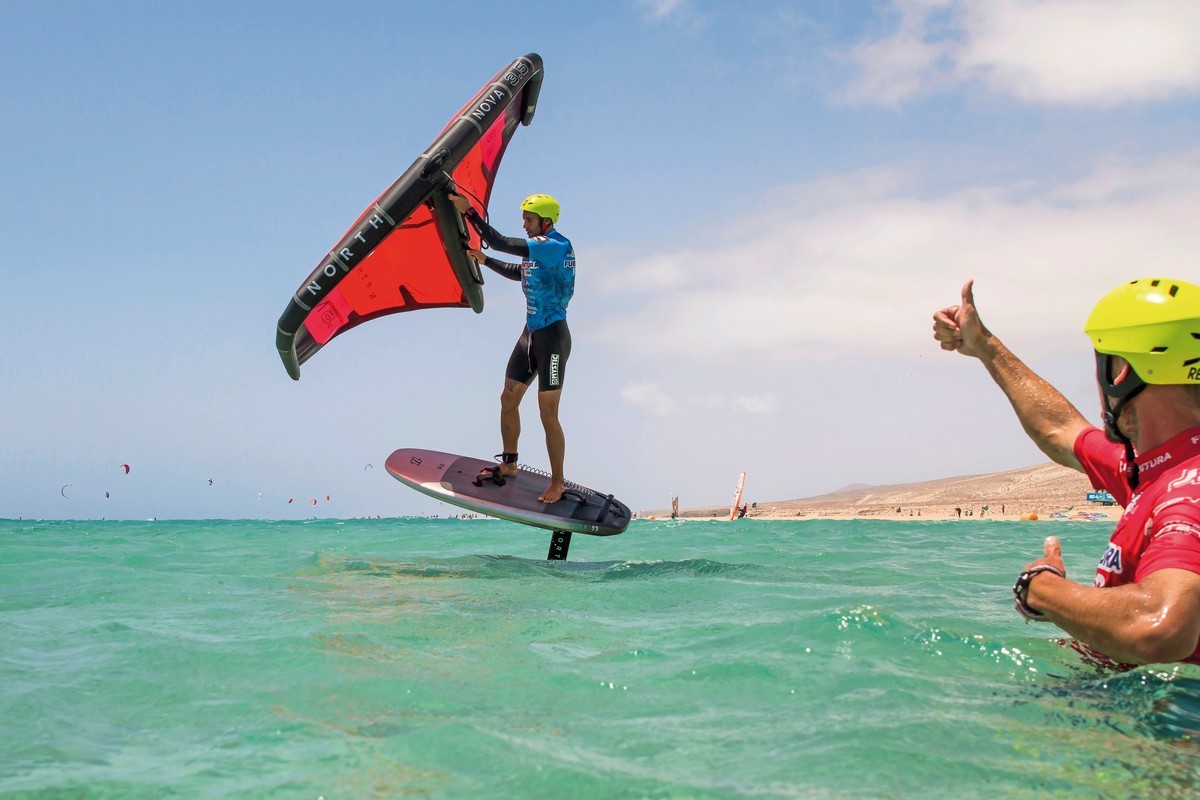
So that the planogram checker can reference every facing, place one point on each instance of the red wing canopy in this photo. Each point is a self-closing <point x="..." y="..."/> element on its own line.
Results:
<point x="406" y="250"/>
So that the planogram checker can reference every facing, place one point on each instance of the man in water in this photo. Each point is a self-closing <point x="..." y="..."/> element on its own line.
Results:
<point x="547" y="276"/>
<point x="1144" y="604"/>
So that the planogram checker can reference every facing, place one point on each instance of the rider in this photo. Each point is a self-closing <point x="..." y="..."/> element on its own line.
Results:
<point x="547" y="276"/>
<point x="1144" y="604"/>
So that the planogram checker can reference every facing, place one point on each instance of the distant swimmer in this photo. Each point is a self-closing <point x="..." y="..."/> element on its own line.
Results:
<point x="1144" y="602"/>
<point x="547" y="276"/>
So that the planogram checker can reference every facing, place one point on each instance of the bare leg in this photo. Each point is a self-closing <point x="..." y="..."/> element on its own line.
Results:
<point x="556" y="444"/>
<point x="510" y="421"/>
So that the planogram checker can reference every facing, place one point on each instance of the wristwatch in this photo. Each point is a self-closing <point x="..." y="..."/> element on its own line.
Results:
<point x="1021" y="591"/>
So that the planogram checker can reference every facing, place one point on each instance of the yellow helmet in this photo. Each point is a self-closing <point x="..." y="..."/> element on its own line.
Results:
<point x="543" y="205"/>
<point x="1154" y="324"/>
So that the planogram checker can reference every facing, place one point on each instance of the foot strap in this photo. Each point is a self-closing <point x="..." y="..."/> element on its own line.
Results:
<point x="494" y="474"/>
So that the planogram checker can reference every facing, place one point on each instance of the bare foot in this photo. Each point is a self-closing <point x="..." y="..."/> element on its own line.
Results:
<point x="553" y="493"/>
<point x="508" y="470"/>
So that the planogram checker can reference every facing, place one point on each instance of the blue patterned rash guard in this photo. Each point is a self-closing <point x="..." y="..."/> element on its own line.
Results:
<point x="548" y="279"/>
<point x="547" y="273"/>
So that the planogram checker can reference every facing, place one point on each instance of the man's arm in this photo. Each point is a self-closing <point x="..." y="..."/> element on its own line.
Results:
<point x="1156" y="620"/>
<point x="490" y="236"/>
<point x="495" y="240"/>
<point x="1048" y="417"/>
<point x="502" y="268"/>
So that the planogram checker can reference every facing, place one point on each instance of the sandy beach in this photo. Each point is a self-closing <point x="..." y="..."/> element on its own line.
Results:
<point x="1046" y="491"/>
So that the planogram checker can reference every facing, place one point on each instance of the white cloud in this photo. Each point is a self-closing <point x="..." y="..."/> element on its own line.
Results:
<point x="904" y="64"/>
<point x="654" y="10"/>
<point x="759" y="404"/>
<point x="856" y="265"/>
<point x="1085" y="53"/>
<point x="649" y="398"/>
<point x="1073" y="52"/>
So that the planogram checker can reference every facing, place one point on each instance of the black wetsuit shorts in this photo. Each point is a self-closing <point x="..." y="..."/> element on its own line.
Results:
<point x="542" y="353"/>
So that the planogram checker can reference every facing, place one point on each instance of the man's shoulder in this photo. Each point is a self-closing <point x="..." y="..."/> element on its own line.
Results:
<point x="1096" y="452"/>
<point x="1184" y="481"/>
<point x="1093" y="437"/>
<point x="554" y="246"/>
<point x="1181" y="477"/>
<point x="1103" y="462"/>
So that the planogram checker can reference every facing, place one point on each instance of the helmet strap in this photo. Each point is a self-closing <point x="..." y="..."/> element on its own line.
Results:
<point x="1122" y="393"/>
<point x="1114" y="434"/>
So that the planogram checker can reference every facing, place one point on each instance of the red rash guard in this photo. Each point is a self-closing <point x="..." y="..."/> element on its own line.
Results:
<point x="1160" y="528"/>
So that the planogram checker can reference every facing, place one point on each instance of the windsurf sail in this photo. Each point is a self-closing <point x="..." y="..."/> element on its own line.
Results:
<point x="406" y="251"/>
<point x="737" y="497"/>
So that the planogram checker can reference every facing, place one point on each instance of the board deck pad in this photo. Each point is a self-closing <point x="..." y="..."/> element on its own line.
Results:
<point x="451" y="479"/>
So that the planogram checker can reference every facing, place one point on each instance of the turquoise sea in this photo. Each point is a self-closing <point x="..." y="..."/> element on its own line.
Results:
<point x="448" y="659"/>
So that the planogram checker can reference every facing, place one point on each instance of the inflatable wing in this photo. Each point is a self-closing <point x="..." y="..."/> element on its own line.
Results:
<point x="406" y="251"/>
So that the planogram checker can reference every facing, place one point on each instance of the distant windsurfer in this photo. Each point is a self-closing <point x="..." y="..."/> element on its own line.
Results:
<point x="547" y="276"/>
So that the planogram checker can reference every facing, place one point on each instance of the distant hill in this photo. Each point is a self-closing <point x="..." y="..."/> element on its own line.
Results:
<point x="851" y="488"/>
<point x="1043" y="489"/>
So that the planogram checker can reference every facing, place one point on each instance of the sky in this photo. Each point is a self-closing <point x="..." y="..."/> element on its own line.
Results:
<point x="768" y="201"/>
